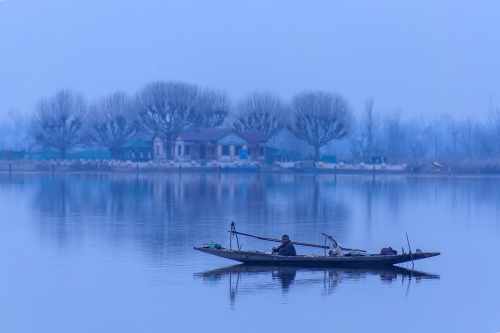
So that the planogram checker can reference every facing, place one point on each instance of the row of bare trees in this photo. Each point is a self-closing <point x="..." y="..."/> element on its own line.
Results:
<point x="310" y="119"/>
<point x="417" y="140"/>
<point x="66" y="120"/>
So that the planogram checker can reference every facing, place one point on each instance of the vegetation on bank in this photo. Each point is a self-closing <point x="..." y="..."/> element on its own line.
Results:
<point x="312" y="122"/>
<point x="25" y="165"/>
<point x="66" y="120"/>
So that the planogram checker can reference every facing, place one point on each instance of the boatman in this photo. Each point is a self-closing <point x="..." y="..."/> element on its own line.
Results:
<point x="286" y="248"/>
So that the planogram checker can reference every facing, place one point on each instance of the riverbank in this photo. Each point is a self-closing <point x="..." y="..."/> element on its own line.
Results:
<point x="24" y="165"/>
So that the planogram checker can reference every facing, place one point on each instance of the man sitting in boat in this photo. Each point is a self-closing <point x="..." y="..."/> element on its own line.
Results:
<point x="286" y="248"/>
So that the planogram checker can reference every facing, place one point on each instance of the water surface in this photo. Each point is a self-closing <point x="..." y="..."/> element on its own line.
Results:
<point x="113" y="253"/>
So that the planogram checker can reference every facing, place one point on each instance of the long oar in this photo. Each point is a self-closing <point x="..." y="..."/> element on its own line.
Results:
<point x="279" y="240"/>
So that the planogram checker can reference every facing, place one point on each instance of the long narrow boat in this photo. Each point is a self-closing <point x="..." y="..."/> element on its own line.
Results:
<point x="337" y="256"/>
<point x="261" y="258"/>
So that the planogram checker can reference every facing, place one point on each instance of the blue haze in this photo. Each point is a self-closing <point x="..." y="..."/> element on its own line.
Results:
<point x="422" y="57"/>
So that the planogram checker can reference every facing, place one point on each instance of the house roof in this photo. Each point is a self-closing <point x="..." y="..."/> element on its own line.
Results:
<point x="136" y="143"/>
<point x="253" y="136"/>
<point x="206" y="135"/>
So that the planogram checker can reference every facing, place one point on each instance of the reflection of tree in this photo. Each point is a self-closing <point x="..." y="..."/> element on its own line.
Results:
<point x="157" y="211"/>
<point x="162" y="212"/>
<point x="314" y="202"/>
<point x="165" y="214"/>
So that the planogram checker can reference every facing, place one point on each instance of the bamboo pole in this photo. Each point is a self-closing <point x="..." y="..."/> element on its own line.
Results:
<point x="411" y="255"/>
<point x="279" y="240"/>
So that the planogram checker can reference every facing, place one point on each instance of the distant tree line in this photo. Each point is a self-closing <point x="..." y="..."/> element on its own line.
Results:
<point x="419" y="140"/>
<point x="67" y="120"/>
<point x="315" y="119"/>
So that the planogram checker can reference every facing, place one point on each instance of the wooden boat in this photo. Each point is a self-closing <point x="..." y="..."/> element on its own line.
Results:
<point x="337" y="256"/>
<point x="261" y="258"/>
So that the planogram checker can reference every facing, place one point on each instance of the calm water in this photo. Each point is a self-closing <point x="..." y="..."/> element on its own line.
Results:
<point x="113" y="253"/>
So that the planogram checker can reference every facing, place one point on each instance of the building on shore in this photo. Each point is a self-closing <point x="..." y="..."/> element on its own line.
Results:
<point x="212" y="144"/>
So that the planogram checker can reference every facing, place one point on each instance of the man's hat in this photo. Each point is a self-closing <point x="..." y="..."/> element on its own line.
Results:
<point x="285" y="236"/>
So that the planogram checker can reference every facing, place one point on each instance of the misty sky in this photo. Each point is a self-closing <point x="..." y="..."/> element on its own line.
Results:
<point x="428" y="57"/>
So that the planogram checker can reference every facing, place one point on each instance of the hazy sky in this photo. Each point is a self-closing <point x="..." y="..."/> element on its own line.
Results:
<point x="429" y="57"/>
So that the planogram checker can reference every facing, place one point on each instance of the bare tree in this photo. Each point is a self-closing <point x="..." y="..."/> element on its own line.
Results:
<point x="356" y="148"/>
<point x="213" y="108"/>
<point x="18" y="125"/>
<point x="365" y="136"/>
<point x="495" y="123"/>
<point x="371" y="123"/>
<point x="319" y="118"/>
<point x="395" y="135"/>
<point x="419" y="139"/>
<point x="170" y="107"/>
<point x="466" y="135"/>
<point x="485" y="139"/>
<point x="113" y="121"/>
<point x="57" y="121"/>
<point x="260" y="112"/>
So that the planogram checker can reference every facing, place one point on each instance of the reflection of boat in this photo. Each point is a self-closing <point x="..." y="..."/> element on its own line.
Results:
<point x="287" y="277"/>
<point x="365" y="260"/>
<point x="385" y="273"/>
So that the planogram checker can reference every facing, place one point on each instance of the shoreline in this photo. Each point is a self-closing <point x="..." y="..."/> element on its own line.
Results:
<point x="33" y="166"/>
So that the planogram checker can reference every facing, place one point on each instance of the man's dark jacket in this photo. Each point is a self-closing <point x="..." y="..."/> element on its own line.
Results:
<point x="286" y="249"/>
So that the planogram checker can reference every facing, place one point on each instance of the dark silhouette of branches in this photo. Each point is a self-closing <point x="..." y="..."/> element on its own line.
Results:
<point x="260" y="112"/>
<point x="395" y="135"/>
<point x="319" y="117"/>
<point x="57" y="121"/>
<point x="170" y="107"/>
<point x="370" y="125"/>
<point x="213" y="108"/>
<point x="113" y="121"/>
<point x="466" y="135"/>
<point x="495" y="124"/>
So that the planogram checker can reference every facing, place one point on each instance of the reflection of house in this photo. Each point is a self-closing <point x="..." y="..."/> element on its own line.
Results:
<point x="375" y="156"/>
<point x="210" y="143"/>
<point x="136" y="150"/>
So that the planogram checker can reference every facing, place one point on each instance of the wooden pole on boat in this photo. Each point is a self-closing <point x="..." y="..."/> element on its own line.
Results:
<point x="279" y="240"/>
<point x="409" y="249"/>
<point x="402" y="254"/>
<point x="234" y="233"/>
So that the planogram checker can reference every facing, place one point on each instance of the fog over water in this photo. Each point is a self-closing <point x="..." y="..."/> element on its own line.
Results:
<point x="424" y="58"/>
<point x="106" y="252"/>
